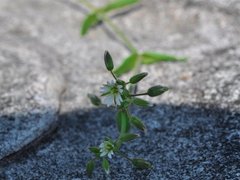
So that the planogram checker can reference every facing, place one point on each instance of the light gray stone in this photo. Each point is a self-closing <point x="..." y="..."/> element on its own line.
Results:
<point x="29" y="94"/>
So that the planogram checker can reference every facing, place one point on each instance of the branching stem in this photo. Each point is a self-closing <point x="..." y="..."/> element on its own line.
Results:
<point x="118" y="32"/>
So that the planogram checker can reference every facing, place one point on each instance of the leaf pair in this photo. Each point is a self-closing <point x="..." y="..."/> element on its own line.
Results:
<point x="123" y="122"/>
<point x="91" y="165"/>
<point x="147" y="57"/>
<point x="95" y="17"/>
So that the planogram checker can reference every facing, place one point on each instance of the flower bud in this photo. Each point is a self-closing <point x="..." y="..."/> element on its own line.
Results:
<point x="156" y="90"/>
<point x="94" y="99"/>
<point x="135" y="79"/>
<point x="141" y="163"/>
<point x="108" y="61"/>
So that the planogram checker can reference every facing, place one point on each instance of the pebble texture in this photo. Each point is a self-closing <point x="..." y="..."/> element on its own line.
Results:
<point x="193" y="130"/>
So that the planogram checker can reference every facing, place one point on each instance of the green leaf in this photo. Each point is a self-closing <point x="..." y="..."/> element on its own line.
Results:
<point x="157" y="90"/>
<point x="128" y="137"/>
<point x="141" y="163"/>
<point x="154" y="57"/>
<point x="136" y="78"/>
<point x="94" y="99"/>
<point x="94" y="150"/>
<point x="88" y="22"/>
<point x="127" y="65"/>
<point x="108" y="61"/>
<point x="90" y="167"/>
<point x="106" y="166"/>
<point x="123" y="122"/>
<point x="138" y="123"/>
<point x="117" y="4"/>
<point x="140" y="102"/>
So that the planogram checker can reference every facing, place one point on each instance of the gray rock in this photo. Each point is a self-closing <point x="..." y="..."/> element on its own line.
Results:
<point x="193" y="131"/>
<point x="29" y="95"/>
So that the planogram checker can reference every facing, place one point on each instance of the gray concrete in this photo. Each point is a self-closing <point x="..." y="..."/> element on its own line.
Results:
<point x="194" y="129"/>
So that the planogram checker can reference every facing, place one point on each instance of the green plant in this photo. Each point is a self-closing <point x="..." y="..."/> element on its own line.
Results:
<point x="117" y="94"/>
<point x="136" y="58"/>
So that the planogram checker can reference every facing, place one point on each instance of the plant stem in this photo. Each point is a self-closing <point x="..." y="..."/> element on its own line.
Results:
<point x="141" y="94"/>
<point x="114" y="27"/>
<point x="87" y="4"/>
<point x="114" y="76"/>
<point x="119" y="33"/>
<point x="136" y="70"/>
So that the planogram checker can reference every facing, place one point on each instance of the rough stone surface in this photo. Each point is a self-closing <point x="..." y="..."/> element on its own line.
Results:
<point x="193" y="131"/>
<point x="29" y="95"/>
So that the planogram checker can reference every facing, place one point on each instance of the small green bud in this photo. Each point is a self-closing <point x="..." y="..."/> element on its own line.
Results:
<point x="128" y="137"/>
<point x="135" y="79"/>
<point x="90" y="167"/>
<point x="138" y="123"/>
<point x="108" y="61"/>
<point x="156" y="90"/>
<point x="141" y="163"/>
<point x="94" y="99"/>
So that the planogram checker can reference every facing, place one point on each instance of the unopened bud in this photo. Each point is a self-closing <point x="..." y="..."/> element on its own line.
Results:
<point x="135" y="79"/>
<point x="156" y="90"/>
<point x="108" y="61"/>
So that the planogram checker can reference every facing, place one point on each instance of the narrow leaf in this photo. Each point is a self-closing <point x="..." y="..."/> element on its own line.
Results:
<point x="141" y="163"/>
<point x="138" y="123"/>
<point x="140" y="102"/>
<point x="123" y="122"/>
<point x="128" y="137"/>
<point x="94" y="99"/>
<point x="127" y="65"/>
<point x="106" y="166"/>
<point x="90" y="167"/>
<point x="88" y="22"/>
<point x="154" y="57"/>
<point x="94" y="150"/>
<point x="117" y="4"/>
<point x="136" y="78"/>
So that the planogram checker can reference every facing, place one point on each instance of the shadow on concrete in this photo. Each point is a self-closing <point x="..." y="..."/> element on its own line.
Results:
<point x="200" y="140"/>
